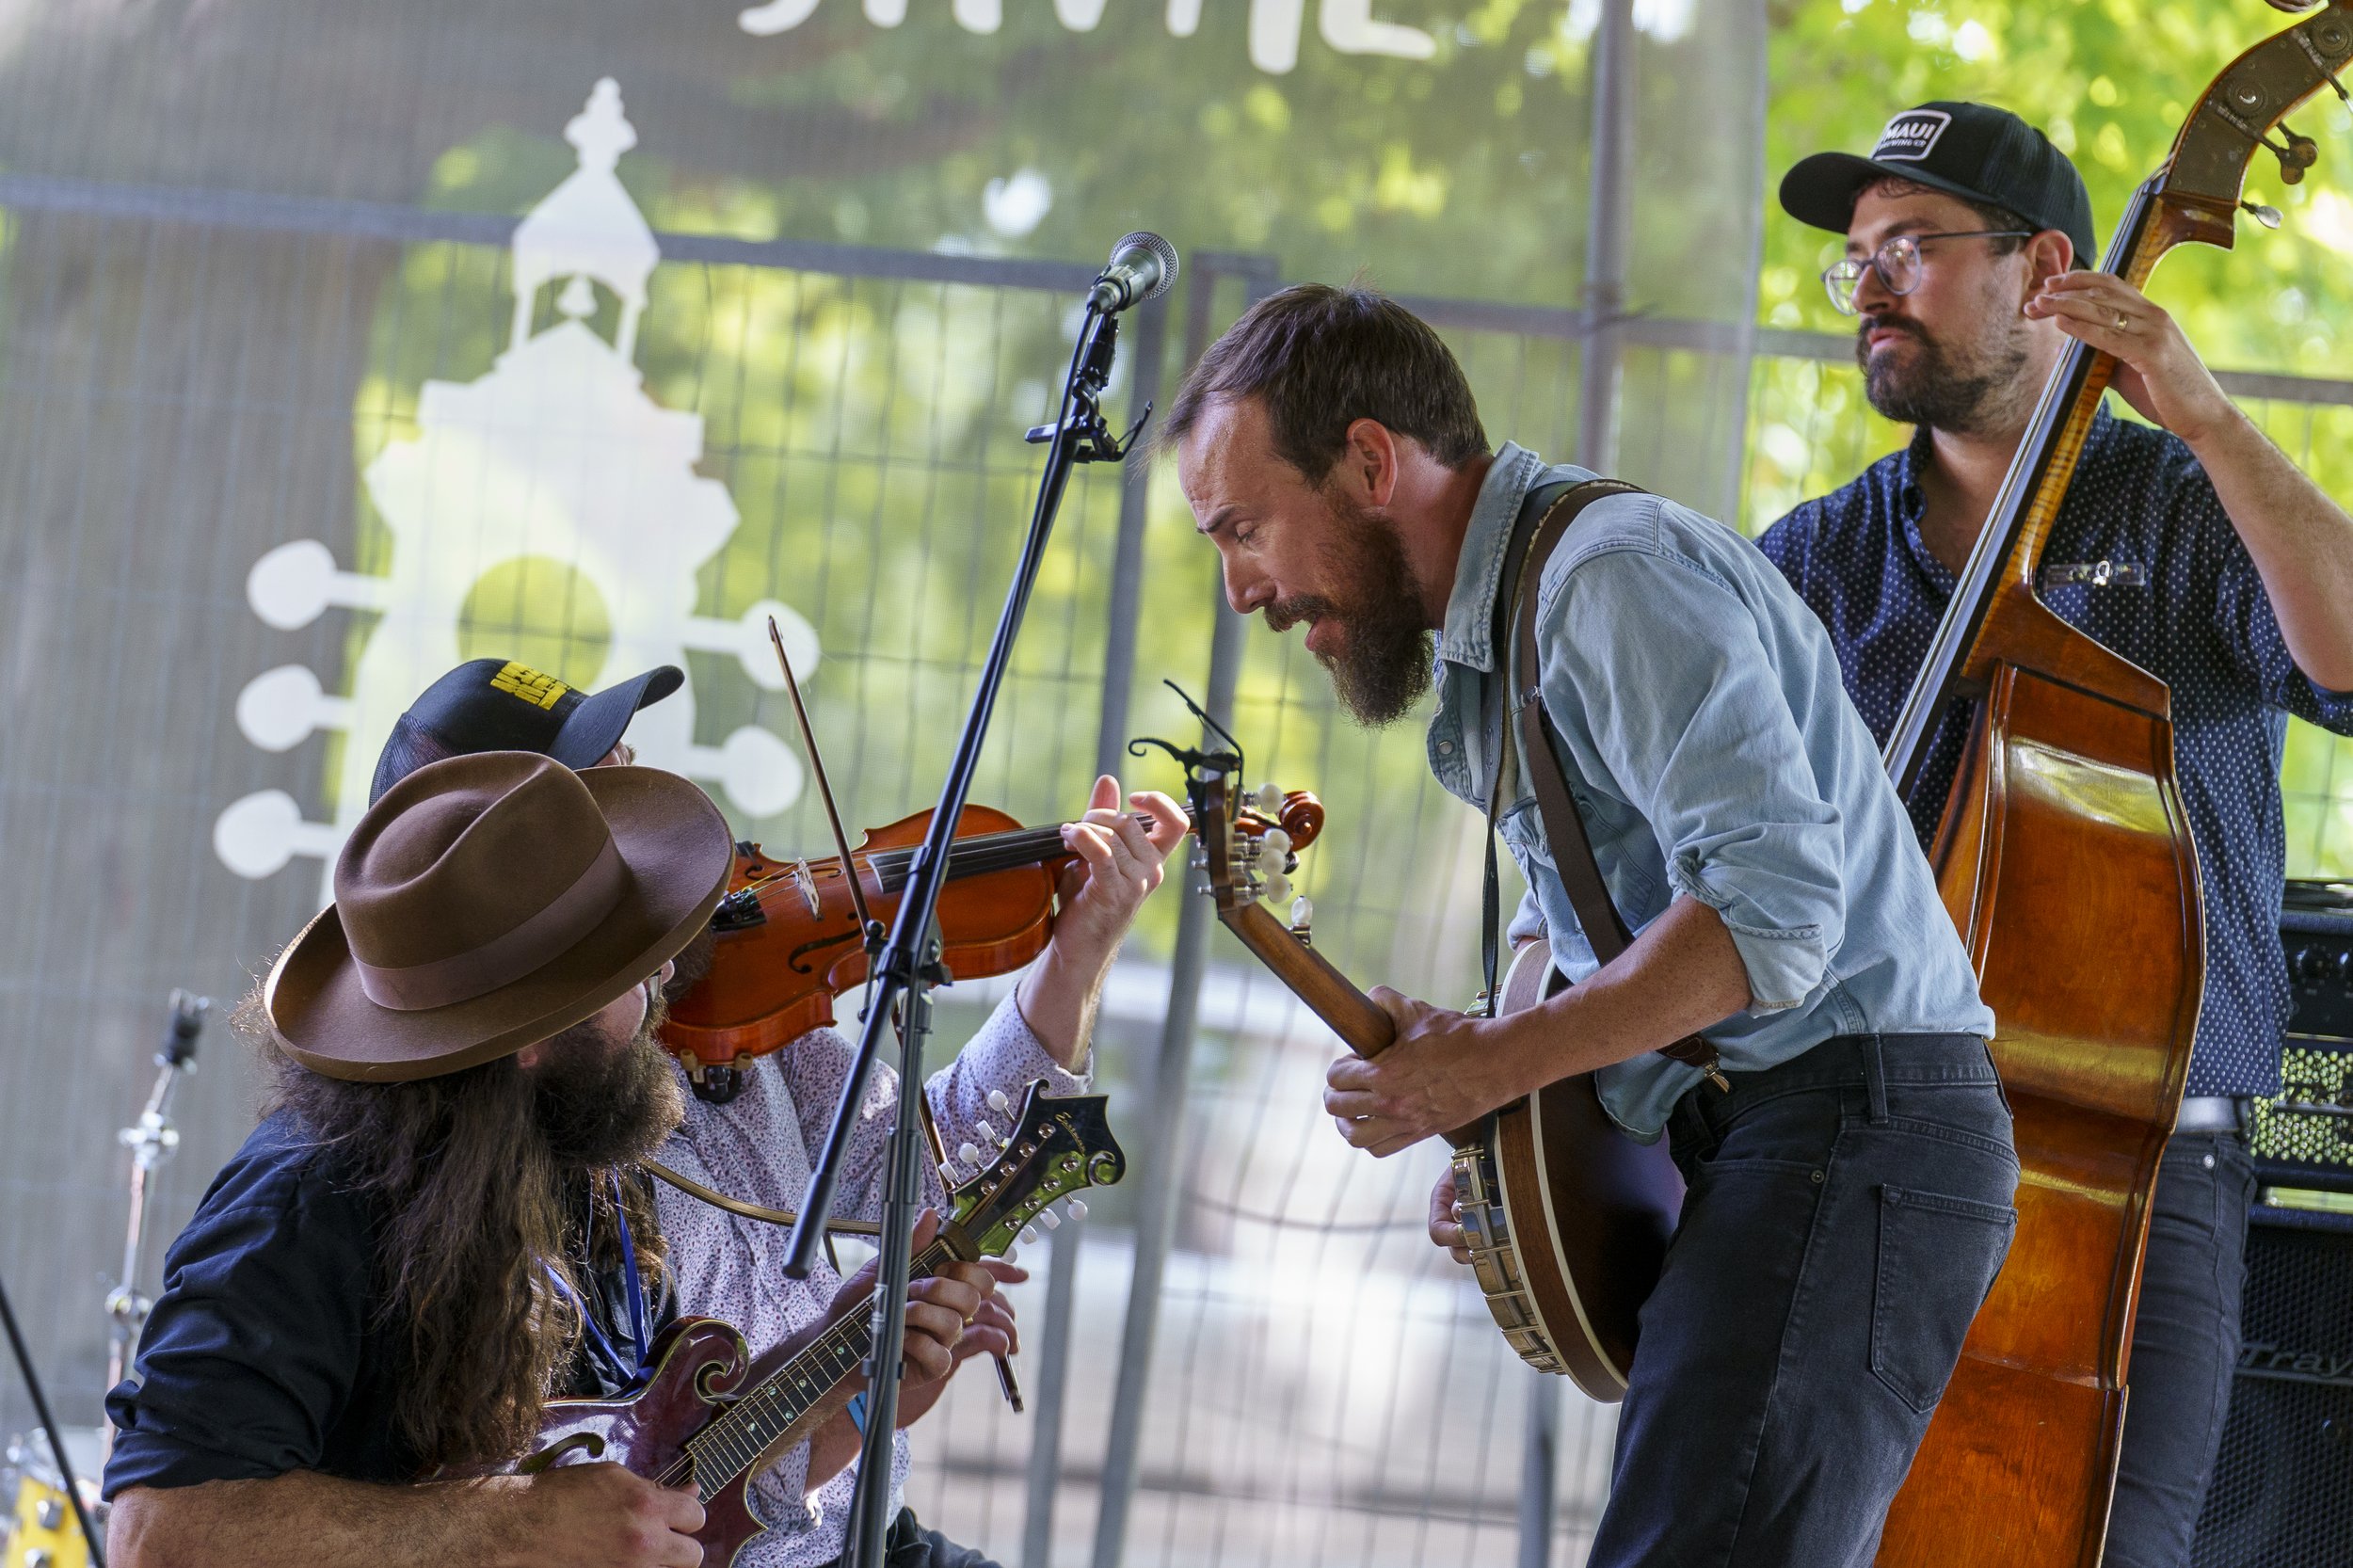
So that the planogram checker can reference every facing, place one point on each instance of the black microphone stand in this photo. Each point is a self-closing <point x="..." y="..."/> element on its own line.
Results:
<point x="909" y="965"/>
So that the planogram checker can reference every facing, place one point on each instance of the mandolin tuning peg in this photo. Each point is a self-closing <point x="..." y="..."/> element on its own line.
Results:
<point x="1268" y="798"/>
<point x="988" y="1133"/>
<point x="1029" y="1236"/>
<point x="1048" y="1218"/>
<point x="2266" y="216"/>
<point x="969" y="1153"/>
<point x="1077" y="1207"/>
<point x="996" y="1100"/>
<point x="1010" y="1254"/>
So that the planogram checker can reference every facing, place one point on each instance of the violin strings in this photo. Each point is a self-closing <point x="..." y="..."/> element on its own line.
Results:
<point x="976" y="855"/>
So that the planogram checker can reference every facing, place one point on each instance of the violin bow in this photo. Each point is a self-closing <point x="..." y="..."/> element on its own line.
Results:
<point x="824" y="787"/>
<point x="868" y="926"/>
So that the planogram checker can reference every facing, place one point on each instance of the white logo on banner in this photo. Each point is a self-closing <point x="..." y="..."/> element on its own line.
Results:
<point x="1275" y="25"/>
<point x="555" y="461"/>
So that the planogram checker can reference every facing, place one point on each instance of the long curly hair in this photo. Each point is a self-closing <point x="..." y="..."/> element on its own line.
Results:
<point x="476" y="1227"/>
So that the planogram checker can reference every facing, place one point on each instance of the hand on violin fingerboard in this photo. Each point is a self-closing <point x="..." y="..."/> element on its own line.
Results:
<point x="1119" y="864"/>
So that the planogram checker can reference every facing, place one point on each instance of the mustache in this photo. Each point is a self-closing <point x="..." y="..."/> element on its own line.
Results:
<point x="1284" y="613"/>
<point x="1890" y="324"/>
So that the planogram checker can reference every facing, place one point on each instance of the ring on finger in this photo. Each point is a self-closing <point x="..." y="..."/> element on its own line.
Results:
<point x="2123" y="322"/>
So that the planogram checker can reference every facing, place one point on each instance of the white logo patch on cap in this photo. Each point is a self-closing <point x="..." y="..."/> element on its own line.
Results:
<point x="1911" y="137"/>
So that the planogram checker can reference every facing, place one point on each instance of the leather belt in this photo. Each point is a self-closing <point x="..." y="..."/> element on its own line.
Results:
<point x="2211" y="1113"/>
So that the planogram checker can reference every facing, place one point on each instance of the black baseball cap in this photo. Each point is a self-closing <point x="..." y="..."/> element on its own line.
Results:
<point x="1967" y="149"/>
<point x="500" y="705"/>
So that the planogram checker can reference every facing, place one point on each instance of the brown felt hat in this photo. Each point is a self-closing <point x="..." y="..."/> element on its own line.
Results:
<point x="489" y="902"/>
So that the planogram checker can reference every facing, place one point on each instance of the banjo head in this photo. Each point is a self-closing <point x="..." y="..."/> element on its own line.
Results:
<point x="1567" y="1217"/>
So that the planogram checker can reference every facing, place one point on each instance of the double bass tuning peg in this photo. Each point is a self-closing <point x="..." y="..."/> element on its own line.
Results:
<point x="2266" y="216"/>
<point x="2296" y="155"/>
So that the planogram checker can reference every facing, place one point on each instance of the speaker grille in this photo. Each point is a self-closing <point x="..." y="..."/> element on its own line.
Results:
<point x="2282" y="1493"/>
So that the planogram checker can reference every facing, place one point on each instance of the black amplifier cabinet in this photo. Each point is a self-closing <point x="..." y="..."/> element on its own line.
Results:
<point x="2304" y="1138"/>
<point x="2282" y="1492"/>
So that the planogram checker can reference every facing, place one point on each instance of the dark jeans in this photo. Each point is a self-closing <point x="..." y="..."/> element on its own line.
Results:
<point x="910" y="1546"/>
<point x="2186" y="1343"/>
<point x="1848" y="1213"/>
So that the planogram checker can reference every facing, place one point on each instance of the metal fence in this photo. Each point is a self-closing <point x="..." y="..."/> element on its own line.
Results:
<point x="190" y="381"/>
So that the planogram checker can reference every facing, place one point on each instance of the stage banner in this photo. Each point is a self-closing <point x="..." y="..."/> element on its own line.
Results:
<point x="340" y="342"/>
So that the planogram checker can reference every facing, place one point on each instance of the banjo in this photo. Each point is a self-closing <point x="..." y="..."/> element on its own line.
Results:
<point x="1567" y="1217"/>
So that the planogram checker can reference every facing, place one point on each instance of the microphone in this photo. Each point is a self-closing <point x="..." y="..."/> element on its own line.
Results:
<point x="1142" y="264"/>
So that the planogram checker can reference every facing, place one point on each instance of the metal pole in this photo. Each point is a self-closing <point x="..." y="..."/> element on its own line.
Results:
<point x="1162" y="1173"/>
<point x="1540" y="1470"/>
<point x="1608" y="218"/>
<point x="1053" y="1351"/>
<point x="1749" y="27"/>
<point x="1158" y="1183"/>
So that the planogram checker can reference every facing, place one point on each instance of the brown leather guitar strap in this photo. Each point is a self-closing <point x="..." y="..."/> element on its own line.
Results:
<point x="1546" y="515"/>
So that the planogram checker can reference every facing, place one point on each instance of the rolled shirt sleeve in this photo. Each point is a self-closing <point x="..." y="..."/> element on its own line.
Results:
<point x="1695" y="733"/>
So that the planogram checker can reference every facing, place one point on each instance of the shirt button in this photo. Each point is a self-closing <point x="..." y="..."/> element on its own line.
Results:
<point x="1446" y="748"/>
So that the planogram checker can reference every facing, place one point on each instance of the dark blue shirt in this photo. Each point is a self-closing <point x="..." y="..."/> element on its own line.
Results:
<point x="2180" y="598"/>
<point x="269" y="1351"/>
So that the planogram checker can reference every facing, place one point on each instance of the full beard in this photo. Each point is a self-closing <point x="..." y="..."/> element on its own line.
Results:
<point x="597" y="1105"/>
<point x="1971" y="393"/>
<point x="1382" y="667"/>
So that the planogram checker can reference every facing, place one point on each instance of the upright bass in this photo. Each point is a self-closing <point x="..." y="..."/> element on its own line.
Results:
<point x="2065" y="861"/>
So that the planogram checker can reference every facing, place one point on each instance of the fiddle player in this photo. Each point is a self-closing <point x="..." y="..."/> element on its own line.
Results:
<point x="2190" y="545"/>
<point x="1331" y="450"/>
<point x="393" y="1277"/>
<point x="758" y="1143"/>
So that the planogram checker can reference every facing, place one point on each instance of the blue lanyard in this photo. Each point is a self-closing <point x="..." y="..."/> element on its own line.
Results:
<point x="636" y="1291"/>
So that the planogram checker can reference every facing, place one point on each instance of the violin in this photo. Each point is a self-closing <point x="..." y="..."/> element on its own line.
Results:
<point x="786" y="938"/>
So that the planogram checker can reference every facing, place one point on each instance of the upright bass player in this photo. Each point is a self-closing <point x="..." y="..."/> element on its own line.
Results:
<point x="2193" y="547"/>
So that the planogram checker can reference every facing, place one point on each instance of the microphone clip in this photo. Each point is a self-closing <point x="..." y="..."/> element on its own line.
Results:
<point x="1096" y="444"/>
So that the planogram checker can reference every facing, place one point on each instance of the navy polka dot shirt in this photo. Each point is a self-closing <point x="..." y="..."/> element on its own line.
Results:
<point x="2180" y="598"/>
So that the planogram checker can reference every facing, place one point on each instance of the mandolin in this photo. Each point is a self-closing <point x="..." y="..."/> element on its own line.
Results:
<point x="710" y="1415"/>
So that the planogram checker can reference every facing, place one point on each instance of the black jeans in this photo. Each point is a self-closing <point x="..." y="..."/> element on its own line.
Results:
<point x="1848" y="1213"/>
<point x="2186" y="1344"/>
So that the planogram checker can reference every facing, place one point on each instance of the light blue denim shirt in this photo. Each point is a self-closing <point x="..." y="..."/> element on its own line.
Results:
<point x="1712" y="751"/>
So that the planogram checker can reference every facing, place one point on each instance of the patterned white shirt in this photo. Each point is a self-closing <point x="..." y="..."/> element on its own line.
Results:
<point x="759" y="1148"/>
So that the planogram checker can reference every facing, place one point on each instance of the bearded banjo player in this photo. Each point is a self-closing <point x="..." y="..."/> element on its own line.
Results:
<point x="1845" y="1141"/>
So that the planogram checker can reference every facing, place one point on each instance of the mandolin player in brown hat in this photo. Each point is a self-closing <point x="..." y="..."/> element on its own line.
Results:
<point x="430" y="1230"/>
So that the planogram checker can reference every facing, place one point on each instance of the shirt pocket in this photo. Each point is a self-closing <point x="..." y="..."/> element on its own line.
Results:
<point x="1617" y="850"/>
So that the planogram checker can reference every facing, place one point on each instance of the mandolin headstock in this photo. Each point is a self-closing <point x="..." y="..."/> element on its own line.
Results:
<point x="1058" y="1146"/>
<point x="2203" y="184"/>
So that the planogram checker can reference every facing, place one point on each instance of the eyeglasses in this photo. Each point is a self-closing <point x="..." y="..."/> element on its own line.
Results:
<point x="1897" y="263"/>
